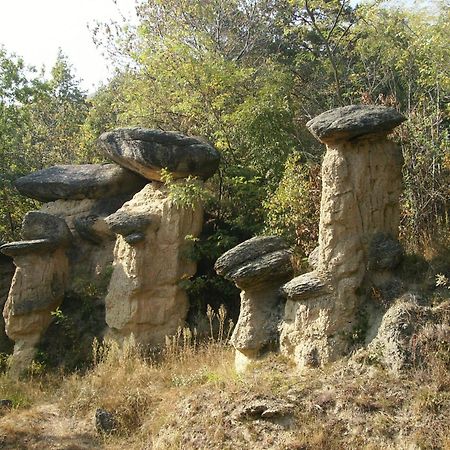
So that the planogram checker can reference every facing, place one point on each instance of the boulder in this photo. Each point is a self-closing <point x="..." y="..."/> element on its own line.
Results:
<point x="353" y="121"/>
<point x="259" y="257"/>
<point x="7" y="269"/>
<point x="385" y="252"/>
<point x="258" y="266"/>
<point x="148" y="151"/>
<point x="39" y="225"/>
<point x="304" y="286"/>
<point x="76" y="182"/>
<point x="410" y="335"/>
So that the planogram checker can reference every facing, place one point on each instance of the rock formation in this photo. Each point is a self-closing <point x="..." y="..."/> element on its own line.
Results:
<point x="150" y="256"/>
<point x="359" y="219"/>
<point x="148" y="151"/>
<point x="92" y="221"/>
<point x="77" y="182"/>
<point x="7" y="269"/>
<point x="150" y="261"/>
<point x="258" y="267"/>
<point x="38" y="285"/>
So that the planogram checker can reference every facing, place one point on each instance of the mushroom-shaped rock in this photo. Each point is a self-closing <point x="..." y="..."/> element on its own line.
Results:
<point x="7" y="269"/>
<point x="76" y="182"/>
<point x="259" y="266"/>
<point x="359" y="220"/>
<point x="148" y="151"/>
<point x="39" y="282"/>
<point x="353" y="121"/>
<point x="39" y="225"/>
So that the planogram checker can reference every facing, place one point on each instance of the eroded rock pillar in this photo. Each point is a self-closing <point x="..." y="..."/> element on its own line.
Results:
<point x="151" y="259"/>
<point x="258" y="266"/>
<point x="361" y="185"/>
<point x="38" y="284"/>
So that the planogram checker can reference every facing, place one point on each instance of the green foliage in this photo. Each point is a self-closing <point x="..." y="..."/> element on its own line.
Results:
<point x="40" y="123"/>
<point x="189" y="193"/>
<point x="293" y="209"/>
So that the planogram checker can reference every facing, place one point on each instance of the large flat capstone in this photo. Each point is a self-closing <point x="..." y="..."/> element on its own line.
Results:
<point x="354" y="121"/>
<point x="76" y="182"/>
<point x="148" y="151"/>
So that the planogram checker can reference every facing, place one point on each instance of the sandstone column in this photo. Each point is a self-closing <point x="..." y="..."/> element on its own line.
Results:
<point x="38" y="285"/>
<point x="361" y="185"/>
<point x="258" y="266"/>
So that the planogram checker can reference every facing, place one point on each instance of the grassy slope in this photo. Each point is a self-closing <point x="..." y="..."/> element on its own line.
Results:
<point x="192" y="399"/>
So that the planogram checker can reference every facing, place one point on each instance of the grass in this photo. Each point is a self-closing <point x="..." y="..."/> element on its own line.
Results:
<point x="189" y="397"/>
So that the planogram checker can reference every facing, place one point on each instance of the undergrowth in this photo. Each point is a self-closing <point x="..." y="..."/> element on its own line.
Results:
<point x="188" y="396"/>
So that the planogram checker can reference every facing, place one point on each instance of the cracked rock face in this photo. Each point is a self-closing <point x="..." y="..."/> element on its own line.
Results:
<point x="76" y="182"/>
<point x="258" y="266"/>
<point x="145" y="296"/>
<point x="148" y="151"/>
<point x="361" y="186"/>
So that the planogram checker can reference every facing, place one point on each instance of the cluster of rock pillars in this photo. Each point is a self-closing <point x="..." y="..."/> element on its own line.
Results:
<point x="121" y="215"/>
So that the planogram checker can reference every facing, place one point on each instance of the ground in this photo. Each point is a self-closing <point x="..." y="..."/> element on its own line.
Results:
<point x="191" y="398"/>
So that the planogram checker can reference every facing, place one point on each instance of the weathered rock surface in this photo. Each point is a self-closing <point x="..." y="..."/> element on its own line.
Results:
<point x="39" y="225"/>
<point x="7" y="269"/>
<point x="91" y="253"/>
<point x="144" y="296"/>
<point x="35" y="246"/>
<point x="353" y="121"/>
<point x="148" y="151"/>
<point x="405" y="328"/>
<point x="304" y="286"/>
<point x="36" y="290"/>
<point x="76" y="182"/>
<point x="361" y="186"/>
<point x="258" y="266"/>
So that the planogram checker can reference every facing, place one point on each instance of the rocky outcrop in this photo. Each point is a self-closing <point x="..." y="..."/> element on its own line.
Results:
<point x="7" y="269"/>
<point x="145" y="297"/>
<point x="77" y="182"/>
<point x="258" y="267"/>
<point x="359" y="219"/>
<point x="409" y="334"/>
<point x="38" y="285"/>
<point x="148" y="151"/>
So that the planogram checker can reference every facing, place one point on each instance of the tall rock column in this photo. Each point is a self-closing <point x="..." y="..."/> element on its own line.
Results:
<point x="151" y="256"/>
<point x="38" y="284"/>
<point x="361" y="185"/>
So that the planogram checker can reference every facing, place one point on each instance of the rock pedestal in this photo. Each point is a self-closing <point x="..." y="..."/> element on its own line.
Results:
<point x="145" y="296"/>
<point x="38" y="285"/>
<point x="361" y="185"/>
<point x="258" y="267"/>
<point x="90" y="221"/>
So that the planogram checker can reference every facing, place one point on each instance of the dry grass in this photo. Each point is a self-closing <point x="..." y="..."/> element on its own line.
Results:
<point x="189" y="397"/>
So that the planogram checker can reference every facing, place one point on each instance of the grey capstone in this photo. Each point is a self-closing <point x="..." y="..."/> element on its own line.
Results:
<point x="256" y="261"/>
<point x="354" y="121"/>
<point x="39" y="225"/>
<point x="148" y="151"/>
<point x="76" y="182"/>
<point x="304" y="286"/>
